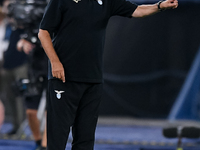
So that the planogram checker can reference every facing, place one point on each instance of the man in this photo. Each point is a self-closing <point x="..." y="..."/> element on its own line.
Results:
<point x="75" y="68"/>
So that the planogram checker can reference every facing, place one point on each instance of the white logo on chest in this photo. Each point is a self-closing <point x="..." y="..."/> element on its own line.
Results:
<point x="58" y="93"/>
<point x="76" y="1"/>
<point x="100" y="2"/>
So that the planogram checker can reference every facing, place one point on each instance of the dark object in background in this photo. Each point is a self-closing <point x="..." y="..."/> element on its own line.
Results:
<point x="28" y="88"/>
<point x="27" y="14"/>
<point x="183" y="132"/>
<point x="144" y="76"/>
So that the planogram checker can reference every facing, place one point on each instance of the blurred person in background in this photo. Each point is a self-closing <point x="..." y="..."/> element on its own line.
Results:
<point x="25" y="60"/>
<point x="5" y="31"/>
<point x="36" y="60"/>
<point x="14" y="68"/>
<point x="4" y="44"/>
<point x="32" y="100"/>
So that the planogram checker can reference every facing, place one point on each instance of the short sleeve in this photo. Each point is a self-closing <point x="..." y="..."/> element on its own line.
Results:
<point x="122" y="8"/>
<point x="52" y="16"/>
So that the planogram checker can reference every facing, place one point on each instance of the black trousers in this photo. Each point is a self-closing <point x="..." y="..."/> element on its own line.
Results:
<point x="76" y="105"/>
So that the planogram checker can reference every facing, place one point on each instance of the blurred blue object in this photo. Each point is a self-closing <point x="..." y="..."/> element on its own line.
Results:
<point x="187" y="104"/>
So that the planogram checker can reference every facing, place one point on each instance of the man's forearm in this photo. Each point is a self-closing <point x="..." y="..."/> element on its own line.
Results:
<point x="146" y="10"/>
<point x="47" y="45"/>
<point x="56" y="65"/>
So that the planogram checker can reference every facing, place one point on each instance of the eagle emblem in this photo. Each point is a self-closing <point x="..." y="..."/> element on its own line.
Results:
<point x="100" y="2"/>
<point x="58" y="93"/>
<point x="76" y="1"/>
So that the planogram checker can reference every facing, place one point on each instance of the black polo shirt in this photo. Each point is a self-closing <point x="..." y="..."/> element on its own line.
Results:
<point x="79" y="28"/>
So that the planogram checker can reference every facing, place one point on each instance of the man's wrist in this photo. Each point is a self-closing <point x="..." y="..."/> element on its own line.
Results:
<point x="159" y="5"/>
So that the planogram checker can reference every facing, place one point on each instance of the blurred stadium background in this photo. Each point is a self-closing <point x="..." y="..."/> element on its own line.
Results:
<point x="146" y="61"/>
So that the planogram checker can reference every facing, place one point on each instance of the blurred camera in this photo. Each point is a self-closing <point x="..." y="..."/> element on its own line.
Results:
<point x="27" y="14"/>
<point x="28" y="88"/>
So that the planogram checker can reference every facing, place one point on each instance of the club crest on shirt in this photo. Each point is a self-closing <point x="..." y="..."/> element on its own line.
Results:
<point x="76" y="1"/>
<point x="58" y="93"/>
<point x="100" y="2"/>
